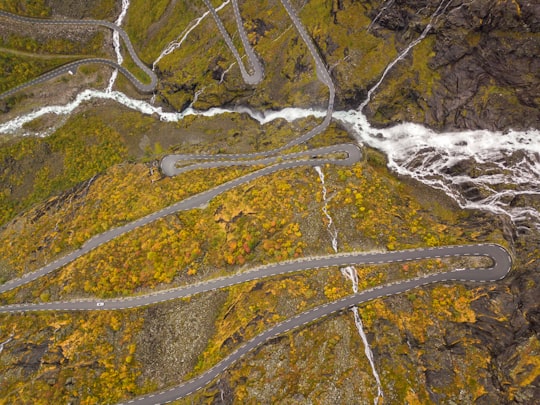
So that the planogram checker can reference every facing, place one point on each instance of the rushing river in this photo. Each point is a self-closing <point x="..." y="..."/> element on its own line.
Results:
<point x="492" y="171"/>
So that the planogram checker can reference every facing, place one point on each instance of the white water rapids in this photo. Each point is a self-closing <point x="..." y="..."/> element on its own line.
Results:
<point x="350" y="273"/>
<point x="503" y="177"/>
<point x="497" y="172"/>
<point x="490" y="171"/>
<point x="5" y="342"/>
<point x="116" y="44"/>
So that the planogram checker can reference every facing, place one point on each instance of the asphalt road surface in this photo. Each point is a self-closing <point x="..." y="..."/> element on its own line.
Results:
<point x="352" y="153"/>
<point x="275" y="160"/>
<point x="140" y="86"/>
<point x="257" y="70"/>
<point x="502" y="264"/>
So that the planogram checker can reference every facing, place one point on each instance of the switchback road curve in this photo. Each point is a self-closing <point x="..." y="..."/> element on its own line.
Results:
<point x="177" y="164"/>
<point x="140" y="86"/>
<point x="258" y="72"/>
<point x="351" y="155"/>
<point x="168" y="164"/>
<point x="323" y="74"/>
<point x="501" y="265"/>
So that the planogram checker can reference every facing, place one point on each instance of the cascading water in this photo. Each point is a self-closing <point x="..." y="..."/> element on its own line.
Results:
<point x="350" y="273"/>
<point x="507" y="165"/>
<point x="505" y="179"/>
<point x="177" y="43"/>
<point x="172" y="46"/>
<point x="443" y="5"/>
<point x="506" y="174"/>
<point x="116" y="44"/>
<point x="385" y="7"/>
<point x="330" y="227"/>
<point x="5" y="342"/>
<point x="491" y="171"/>
<point x="225" y="72"/>
<point x="195" y="97"/>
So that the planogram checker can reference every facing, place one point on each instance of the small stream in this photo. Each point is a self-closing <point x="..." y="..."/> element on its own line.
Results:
<point x="497" y="172"/>
<point x="116" y="44"/>
<point x="350" y="273"/>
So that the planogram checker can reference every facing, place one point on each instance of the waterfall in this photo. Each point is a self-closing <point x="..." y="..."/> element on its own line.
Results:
<point x="5" y="342"/>
<point x="173" y="45"/>
<point x="350" y="273"/>
<point x="385" y="7"/>
<point x="330" y="227"/>
<point x="441" y="9"/>
<point x="412" y="150"/>
<point x="116" y="44"/>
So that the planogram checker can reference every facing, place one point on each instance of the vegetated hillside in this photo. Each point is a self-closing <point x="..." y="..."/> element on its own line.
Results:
<point x="477" y="67"/>
<point x="437" y="344"/>
<point x="430" y="343"/>
<point x="29" y="50"/>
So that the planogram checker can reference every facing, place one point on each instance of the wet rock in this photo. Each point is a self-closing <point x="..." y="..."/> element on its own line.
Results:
<point x="489" y="322"/>
<point x="526" y="289"/>
<point x="4" y="106"/>
<point x="394" y="19"/>
<point x="485" y="57"/>
<point x="331" y="46"/>
<point x="437" y="379"/>
<point x="261" y="26"/>
<point x="224" y="395"/>
<point x="30" y="356"/>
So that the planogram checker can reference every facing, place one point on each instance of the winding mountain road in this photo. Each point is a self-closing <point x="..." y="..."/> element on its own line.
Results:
<point x="501" y="267"/>
<point x="502" y="263"/>
<point x="140" y="86"/>
<point x="352" y="153"/>
<point x="275" y="160"/>
<point x="257" y="70"/>
<point x="501" y="259"/>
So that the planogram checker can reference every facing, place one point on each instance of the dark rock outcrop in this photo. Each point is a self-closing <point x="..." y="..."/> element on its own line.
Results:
<point x="486" y="59"/>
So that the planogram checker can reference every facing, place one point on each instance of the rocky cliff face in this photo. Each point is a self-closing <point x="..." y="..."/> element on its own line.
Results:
<point x="485" y="57"/>
<point x="477" y="68"/>
<point x="485" y="72"/>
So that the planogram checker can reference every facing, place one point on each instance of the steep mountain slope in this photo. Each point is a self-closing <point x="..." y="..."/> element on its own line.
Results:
<point x="476" y="68"/>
